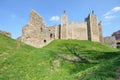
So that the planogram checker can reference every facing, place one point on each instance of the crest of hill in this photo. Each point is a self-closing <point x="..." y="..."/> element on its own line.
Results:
<point x="83" y="45"/>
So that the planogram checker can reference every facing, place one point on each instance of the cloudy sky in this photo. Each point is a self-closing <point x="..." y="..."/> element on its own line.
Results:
<point x="14" y="14"/>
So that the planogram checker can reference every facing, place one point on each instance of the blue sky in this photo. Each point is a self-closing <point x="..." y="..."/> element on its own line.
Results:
<point x="14" y="14"/>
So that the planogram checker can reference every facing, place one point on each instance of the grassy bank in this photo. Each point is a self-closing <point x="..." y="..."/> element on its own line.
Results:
<point x="19" y="61"/>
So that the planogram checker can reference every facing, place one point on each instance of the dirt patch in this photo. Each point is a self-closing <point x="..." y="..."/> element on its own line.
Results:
<point x="69" y="58"/>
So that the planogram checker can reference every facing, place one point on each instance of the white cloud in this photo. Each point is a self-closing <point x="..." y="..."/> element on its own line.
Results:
<point x="116" y="9"/>
<point x="109" y="16"/>
<point x="55" y="18"/>
<point x="108" y="13"/>
<point x="112" y="13"/>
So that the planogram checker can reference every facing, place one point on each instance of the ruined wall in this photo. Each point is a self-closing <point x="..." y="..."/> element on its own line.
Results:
<point x="111" y="41"/>
<point x="53" y="32"/>
<point x="57" y="31"/>
<point x="117" y="37"/>
<point x="77" y="30"/>
<point x="37" y="20"/>
<point x="31" y="35"/>
<point x="35" y="33"/>
<point x="5" y="33"/>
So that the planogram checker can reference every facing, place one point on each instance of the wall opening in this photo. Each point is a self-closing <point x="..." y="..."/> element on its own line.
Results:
<point x="41" y="29"/>
<point x="27" y="37"/>
<point x="59" y="36"/>
<point x="45" y="41"/>
<point x="51" y="35"/>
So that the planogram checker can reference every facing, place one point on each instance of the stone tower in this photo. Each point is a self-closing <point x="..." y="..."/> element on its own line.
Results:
<point x="100" y="31"/>
<point x="93" y="29"/>
<point x="64" y="21"/>
<point x="31" y="32"/>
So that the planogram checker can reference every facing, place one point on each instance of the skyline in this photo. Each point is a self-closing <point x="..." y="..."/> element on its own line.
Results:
<point x="15" y="14"/>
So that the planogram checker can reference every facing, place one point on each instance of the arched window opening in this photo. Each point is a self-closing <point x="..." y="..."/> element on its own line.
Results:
<point x="51" y="35"/>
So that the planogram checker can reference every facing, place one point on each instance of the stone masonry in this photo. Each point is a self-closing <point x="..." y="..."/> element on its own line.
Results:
<point x="117" y="37"/>
<point x="37" y="34"/>
<point x="110" y="40"/>
<point x="5" y="33"/>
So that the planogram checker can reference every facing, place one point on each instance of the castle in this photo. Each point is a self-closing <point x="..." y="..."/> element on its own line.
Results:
<point x="37" y="34"/>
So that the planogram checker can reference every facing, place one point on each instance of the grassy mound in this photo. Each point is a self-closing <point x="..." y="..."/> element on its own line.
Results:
<point x="84" y="45"/>
<point x="19" y="61"/>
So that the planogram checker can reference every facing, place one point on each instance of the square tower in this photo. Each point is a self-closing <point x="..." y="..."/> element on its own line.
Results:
<point x="64" y="22"/>
<point x="93" y="29"/>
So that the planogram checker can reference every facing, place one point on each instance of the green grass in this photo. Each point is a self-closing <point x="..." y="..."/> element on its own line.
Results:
<point x="19" y="61"/>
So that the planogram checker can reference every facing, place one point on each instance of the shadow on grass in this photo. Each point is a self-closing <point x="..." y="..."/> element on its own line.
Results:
<point x="83" y="63"/>
<point x="86" y="55"/>
<point x="75" y="51"/>
<point x="107" y="55"/>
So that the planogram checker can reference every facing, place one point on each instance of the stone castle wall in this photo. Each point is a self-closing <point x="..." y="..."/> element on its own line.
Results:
<point x="5" y="33"/>
<point x="36" y="34"/>
<point x="111" y="41"/>
<point x="117" y="37"/>
<point x="73" y="30"/>
<point x="100" y="32"/>
<point x="77" y="30"/>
